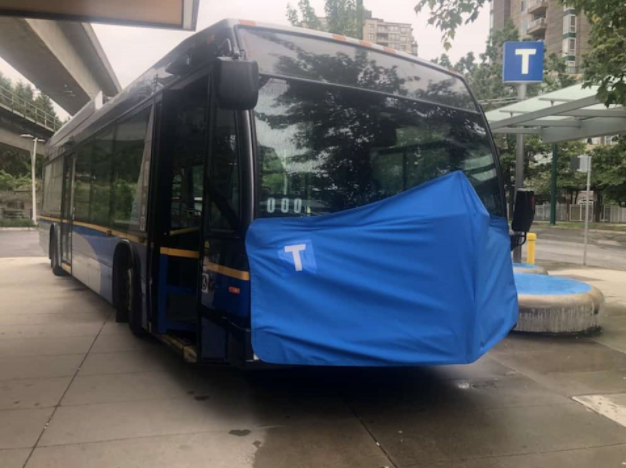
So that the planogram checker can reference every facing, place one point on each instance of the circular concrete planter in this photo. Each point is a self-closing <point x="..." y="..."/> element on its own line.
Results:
<point x="553" y="305"/>
<point x="529" y="269"/>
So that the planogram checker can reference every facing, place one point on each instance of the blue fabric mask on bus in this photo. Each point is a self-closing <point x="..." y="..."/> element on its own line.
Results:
<point x="421" y="278"/>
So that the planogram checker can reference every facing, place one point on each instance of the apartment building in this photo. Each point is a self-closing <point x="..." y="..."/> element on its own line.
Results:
<point x="563" y="32"/>
<point x="397" y="36"/>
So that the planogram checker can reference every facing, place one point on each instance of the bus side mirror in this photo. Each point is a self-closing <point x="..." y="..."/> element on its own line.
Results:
<point x="236" y="83"/>
<point x="523" y="211"/>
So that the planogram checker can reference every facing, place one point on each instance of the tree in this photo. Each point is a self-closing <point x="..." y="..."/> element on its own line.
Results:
<point x="5" y="82"/>
<point x="305" y="17"/>
<point x="343" y="17"/>
<point x="609" y="172"/>
<point x="444" y="61"/>
<point x="604" y="66"/>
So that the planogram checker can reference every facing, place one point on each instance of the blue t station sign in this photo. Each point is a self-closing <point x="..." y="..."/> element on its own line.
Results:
<point x="523" y="62"/>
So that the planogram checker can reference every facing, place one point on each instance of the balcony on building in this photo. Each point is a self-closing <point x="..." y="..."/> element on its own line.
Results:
<point x="537" y="28"/>
<point x="537" y="7"/>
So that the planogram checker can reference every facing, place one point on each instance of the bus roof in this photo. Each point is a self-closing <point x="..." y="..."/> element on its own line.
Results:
<point x="101" y="110"/>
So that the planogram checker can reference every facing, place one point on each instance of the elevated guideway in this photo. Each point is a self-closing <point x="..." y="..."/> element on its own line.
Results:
<point x="62" y="59"/>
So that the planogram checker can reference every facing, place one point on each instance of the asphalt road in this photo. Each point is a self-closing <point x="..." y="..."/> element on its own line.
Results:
<point x="604" y="249"/>
<point x="78" y="390"/>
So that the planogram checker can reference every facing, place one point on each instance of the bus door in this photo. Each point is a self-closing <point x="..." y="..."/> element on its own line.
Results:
<point x="67" y="210"/>
<point x="181" y="151"/>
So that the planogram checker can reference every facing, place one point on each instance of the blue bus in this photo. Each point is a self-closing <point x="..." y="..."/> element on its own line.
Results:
<point x="150" y="196"/>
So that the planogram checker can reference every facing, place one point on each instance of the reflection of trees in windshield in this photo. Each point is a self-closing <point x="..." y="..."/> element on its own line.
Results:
<point x="359" y="70"/>
<point x="347" y="64"/>
<point x="339" y="148"/>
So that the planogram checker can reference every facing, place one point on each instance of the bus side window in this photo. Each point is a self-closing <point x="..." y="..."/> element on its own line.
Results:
<point x="223" y="183"/>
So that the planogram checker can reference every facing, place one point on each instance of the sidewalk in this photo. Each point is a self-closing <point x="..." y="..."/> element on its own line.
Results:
<point x="590" y="370"/>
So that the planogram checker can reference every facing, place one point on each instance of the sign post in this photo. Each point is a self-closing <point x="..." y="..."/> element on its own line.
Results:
<point x="522" y="64"/>
<point x="585" y="166"/>
<point x="582" y="163"/>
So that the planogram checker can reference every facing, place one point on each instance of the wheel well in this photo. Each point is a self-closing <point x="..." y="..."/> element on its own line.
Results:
<point x="123" y="257"/>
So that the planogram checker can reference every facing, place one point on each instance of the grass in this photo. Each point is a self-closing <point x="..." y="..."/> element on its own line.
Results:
<point x="581" y="225"/>
<point x="17" y="222"/>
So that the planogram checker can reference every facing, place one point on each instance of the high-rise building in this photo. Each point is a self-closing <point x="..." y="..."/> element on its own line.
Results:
<point x="563" y="32"/>
<point x="397" y="36"/>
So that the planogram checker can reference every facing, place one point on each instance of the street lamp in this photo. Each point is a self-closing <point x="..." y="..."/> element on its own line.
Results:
<point x="33" y="158"/>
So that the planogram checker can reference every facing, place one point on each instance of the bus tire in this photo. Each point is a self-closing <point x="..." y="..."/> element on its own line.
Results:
<point x="128" y="303"/>
<point x="55" y="261"/>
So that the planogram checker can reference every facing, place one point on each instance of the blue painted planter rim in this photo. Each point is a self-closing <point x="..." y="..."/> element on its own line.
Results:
<point x="543" y="285"/>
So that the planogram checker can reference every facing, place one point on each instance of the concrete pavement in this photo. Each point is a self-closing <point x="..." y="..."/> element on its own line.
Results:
<point x="78" y="390"/>
<point x="19" y="243"/>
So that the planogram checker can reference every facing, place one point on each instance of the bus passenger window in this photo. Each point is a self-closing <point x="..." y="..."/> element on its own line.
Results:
<point x="224" y="175"/>
<point x="130" y="140"/>
<point x="82" y="183"/>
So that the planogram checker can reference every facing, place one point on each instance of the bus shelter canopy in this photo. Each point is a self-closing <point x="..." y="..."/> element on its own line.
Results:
<point x="572" y="113"/>
<point x="175" y="14"/>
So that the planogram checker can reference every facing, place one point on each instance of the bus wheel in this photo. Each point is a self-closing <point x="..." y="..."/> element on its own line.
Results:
<point x="55" y="261"/>
<point x="128" y="307"/>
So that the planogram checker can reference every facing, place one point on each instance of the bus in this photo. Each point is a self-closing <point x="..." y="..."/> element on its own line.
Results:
<point x="164" y="198"/>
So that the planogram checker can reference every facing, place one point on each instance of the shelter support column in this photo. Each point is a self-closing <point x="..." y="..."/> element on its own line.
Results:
<point x="553" y="177"/>
<point x="519" y="164"/>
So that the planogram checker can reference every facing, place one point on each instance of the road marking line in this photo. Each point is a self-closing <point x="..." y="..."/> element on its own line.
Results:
<point x="604" y="405"/>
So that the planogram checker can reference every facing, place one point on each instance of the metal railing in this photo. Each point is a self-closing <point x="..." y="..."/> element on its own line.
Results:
<point x="27" y="110"/>
<point x="532" y="3"/>
<point x="609" y="214"/>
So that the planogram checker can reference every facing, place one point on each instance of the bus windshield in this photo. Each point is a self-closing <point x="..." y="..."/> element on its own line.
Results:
<point x="325" y="148"/>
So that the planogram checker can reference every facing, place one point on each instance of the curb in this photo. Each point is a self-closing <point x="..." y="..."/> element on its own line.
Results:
<point x="591" y="230"/>
<point x="18" y="229"/>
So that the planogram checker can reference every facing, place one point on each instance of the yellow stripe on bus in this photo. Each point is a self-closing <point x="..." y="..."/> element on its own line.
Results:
<point x="224" y="270"/>
<point x="178" y="232"/>
<point x="180" y="253"/>
<point x="50" y="218"/>
<point x="111" y="232"/>
<point x="95" y="227"/>
<point x="242" y="275"/>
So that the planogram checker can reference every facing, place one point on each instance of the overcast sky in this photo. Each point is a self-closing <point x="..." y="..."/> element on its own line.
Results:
<point x="131" y="50"/>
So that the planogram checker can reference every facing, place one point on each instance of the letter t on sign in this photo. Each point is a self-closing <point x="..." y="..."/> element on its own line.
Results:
<point x="525" y="53"/>
<point x="295" y="251"/>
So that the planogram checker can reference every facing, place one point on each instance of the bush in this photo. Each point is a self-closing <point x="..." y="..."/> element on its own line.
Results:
<point x="16" y="222"/>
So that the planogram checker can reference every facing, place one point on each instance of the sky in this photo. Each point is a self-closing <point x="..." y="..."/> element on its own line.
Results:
<point x="133" y="50"/>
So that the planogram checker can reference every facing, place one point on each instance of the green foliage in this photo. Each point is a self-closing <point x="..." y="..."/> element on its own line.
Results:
<point x="5" y="82"/>
<point x="343" y="17"/>
<point x="605" y="65"/>
<point x="17" y="222"/>
<point x="304" y="16"/>
<point x="448" y="15"/>
<point x="30" y="102"/>
<point x="609" y="171"/>
<point x="11" y="182"/>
